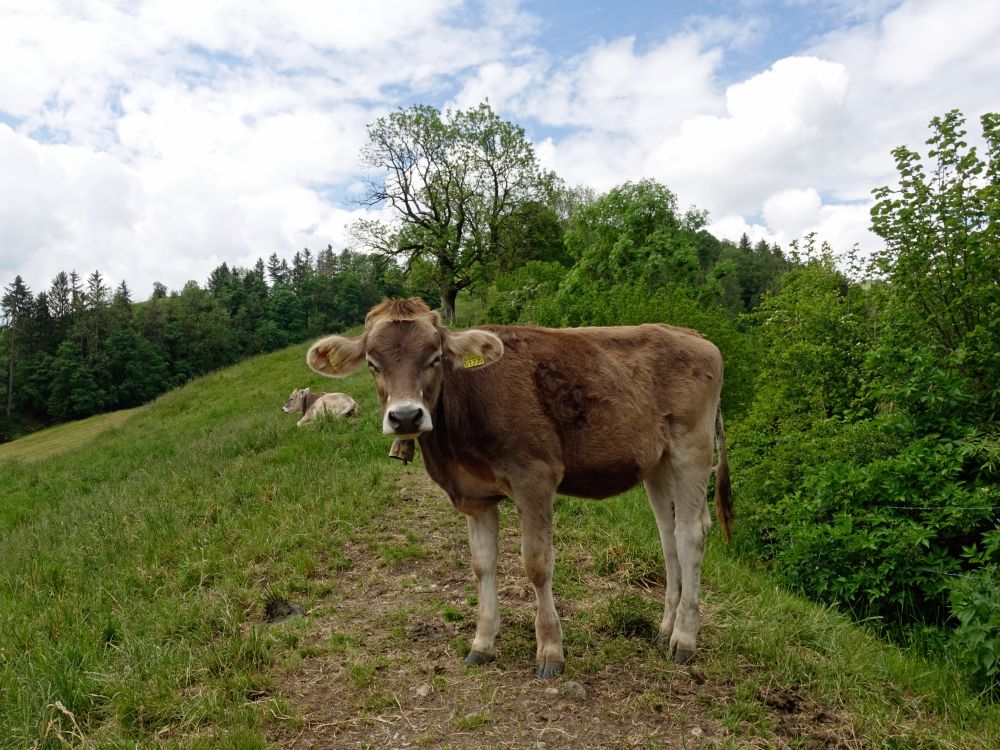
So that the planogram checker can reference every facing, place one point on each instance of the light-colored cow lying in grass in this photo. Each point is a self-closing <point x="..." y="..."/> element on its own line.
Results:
<point x="313" y="405"/>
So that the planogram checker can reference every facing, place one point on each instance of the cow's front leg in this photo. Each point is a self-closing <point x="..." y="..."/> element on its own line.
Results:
<point x="483" y="544"/>
<point x="538" y="559"/>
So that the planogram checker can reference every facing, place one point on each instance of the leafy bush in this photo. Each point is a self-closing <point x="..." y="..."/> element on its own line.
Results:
<point x="868" y="516"/>
<point x="868" y="465"/>
<point x="975" y="604"/>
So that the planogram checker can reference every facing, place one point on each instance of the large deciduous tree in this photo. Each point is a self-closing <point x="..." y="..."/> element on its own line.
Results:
<point x="450" y="185"/>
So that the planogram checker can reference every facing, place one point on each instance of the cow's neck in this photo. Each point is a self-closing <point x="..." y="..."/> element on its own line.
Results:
<point x="447" y="437"/>
<point x="435" y="443"/>
<point x="309" y="400"/>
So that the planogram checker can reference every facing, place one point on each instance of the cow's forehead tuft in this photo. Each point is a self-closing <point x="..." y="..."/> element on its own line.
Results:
<point x="402" y="336"/>
<point x="389" y="310"/>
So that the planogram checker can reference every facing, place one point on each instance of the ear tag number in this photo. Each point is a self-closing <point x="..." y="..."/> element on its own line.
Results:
<point x="473" y="360"/>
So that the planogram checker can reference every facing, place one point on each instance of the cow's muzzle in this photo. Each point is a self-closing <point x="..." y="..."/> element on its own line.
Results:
<point x="406" y="420"/>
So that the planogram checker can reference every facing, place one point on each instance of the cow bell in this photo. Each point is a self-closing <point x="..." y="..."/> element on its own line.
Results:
<point x="403" y="450"/>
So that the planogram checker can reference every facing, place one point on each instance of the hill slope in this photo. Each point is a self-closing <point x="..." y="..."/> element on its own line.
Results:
<point x="135" y="573"/>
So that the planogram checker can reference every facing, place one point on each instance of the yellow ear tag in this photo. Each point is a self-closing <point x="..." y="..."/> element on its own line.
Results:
<point x="473" y="360"/>
<point x="335" y="362"/>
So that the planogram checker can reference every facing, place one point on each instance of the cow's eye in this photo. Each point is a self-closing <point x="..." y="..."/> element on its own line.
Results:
<point x="434" y="362"/>
<point x="374" y="369"/>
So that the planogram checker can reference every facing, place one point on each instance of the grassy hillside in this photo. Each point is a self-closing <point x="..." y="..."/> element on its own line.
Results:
<point x="135" y="571"/>
<point x="62" y="438"/>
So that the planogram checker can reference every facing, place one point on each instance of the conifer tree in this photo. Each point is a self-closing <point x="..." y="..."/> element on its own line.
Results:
<point x="60" y="296"/>
<point x="16" y="307"/>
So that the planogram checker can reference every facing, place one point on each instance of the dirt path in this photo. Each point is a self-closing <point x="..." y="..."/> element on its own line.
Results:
<point x="384" y="659"/>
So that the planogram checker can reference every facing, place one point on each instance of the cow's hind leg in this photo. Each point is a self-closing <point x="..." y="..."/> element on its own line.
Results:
<point x="691" y="465"/>
<point x="535" y="509"/>
<point x="483" y="529"/>
<point x="676" y="491"/>
<point x="660" y="490"/>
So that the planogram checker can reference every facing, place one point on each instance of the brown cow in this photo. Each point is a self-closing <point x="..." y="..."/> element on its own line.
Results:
<point x="525" y="413"/>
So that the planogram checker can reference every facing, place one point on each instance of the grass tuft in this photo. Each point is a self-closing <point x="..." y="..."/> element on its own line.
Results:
<point x="631" y="616"/>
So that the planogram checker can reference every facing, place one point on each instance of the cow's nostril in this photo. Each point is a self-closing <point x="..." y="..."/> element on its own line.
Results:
<point x="405" y="419"/>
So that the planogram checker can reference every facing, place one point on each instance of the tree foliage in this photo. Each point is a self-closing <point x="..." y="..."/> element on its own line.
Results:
<point x="869" y="461"/>
<point x="942" y="262"/>
<point x="456" y="187"/>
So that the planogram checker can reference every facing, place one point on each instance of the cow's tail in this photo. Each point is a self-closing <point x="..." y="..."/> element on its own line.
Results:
<point x="723" y="487"/>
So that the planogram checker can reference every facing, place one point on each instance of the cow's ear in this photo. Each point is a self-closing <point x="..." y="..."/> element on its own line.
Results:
<point x="473" y="348"/>
<point x="337" y="356"/>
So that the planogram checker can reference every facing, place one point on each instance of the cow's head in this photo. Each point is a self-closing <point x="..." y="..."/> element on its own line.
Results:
<point x="406" y="349"/>
<point x="296" y="402"/>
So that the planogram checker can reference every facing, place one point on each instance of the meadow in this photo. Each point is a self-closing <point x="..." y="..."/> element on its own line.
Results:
<point x="137" y="570"/>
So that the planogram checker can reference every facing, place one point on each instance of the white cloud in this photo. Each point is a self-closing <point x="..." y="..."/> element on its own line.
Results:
<point x="795" y="211"/>
<point x="612" y="88"/>
<point x="598" y="160"/>
<point x="56" y="201"/>
<point x="733" y="227"/>
<point x="155" y="139"/>
<point x="771" y="137"/>
<point x="823" y="121"/>
<point x="919" y="60"/>
<point x="499" y="83"/>
<point x="792" y="215"/>
<point x="920" y="40"/>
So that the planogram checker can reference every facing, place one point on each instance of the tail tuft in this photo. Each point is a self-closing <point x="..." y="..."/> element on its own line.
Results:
<point x="723" y="487"/>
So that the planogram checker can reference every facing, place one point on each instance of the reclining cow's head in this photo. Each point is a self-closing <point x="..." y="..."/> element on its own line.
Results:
<point x="406" y="348"/>
<point x="297" y="401"/>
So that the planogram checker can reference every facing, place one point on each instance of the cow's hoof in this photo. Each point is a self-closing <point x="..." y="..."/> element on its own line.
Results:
<point x="682" y="656"/>
<point x="548" y="669"/>
<point x="477" y="658"/>
<point x="661" y="641"/>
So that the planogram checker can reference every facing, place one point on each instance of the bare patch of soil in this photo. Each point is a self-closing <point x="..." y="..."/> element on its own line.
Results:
<point x="384" y="664"/>
<point x="809" y="725"/>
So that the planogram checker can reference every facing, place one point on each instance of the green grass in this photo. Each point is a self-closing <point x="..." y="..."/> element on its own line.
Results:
<point x="135" y="567"/>
<point x="759" y="635"/>
<point x="64" y="437"/>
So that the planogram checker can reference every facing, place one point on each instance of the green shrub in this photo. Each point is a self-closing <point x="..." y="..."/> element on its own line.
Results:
<point x="975" y="604"/>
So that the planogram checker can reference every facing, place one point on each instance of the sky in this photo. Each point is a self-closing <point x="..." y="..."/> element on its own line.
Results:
<point x="155" y="139"/>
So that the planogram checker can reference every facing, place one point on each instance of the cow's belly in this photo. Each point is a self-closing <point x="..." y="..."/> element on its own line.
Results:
<point x="600" y="483"/>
